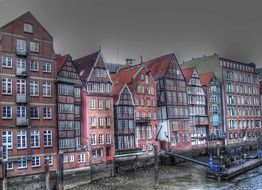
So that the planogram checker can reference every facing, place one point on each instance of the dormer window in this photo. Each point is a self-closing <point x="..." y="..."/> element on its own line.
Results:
<point x="28" y="28"/>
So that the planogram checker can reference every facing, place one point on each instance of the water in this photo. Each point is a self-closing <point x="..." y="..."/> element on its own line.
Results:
<point x="180" y="177"/>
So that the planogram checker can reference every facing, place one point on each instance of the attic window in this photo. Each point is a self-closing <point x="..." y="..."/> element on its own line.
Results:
<point x="28" y="28"/>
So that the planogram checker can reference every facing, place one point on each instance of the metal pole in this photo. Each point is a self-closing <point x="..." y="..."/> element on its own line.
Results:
<point x="156" y="166"/>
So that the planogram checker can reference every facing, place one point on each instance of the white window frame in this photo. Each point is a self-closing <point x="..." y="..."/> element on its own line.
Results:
<point x="7" y="110"/>
<point x="47" y="113"/>
<point x="71" y="158"/>
<point x="7" y="86"/>
<point x="47" y="87"/>
<point x="48" y="137"/>
<point x="93" y="139"/>
<point x="36" y="161"/>
<point x="34" y="88"/>
<point x="108" y="138"/>
<point x="34" y="47"/>
<point x="7" y="62"/>
<point x="21" y="139"/>
<point x="100" y="139"/>
<point x="81" y="158"/>
<point x="50" y="159"/>
<point x="35" y="138"/>
<point x="28" y="28"/>
<point x="37" y="112"/>
<point x="92" y="103"/>
<point x="7" y="139"/>
<point x="22" y="160"/>
<point x="47" y="67"/>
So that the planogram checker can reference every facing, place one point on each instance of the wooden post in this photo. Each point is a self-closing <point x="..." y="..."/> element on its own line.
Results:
<point x="47" y="175"/>
<point x="61" y="171"/>
<point x="156" y="166"/>
<point x="4" y="183"/>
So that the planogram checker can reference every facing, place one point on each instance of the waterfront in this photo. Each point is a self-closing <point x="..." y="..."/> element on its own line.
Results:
<point x="179" y="177"/>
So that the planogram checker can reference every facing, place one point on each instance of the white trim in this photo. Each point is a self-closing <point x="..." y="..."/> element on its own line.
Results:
<point x="121" y="93"/>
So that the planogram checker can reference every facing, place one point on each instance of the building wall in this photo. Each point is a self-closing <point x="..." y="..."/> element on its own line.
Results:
<point x="9" y="35"/>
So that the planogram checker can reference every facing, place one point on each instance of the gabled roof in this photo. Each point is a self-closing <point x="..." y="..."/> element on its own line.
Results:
<point x="60" y="61"/>
<point x="85" y="64"/>
<point x="25" y="17"/>
<point x="123" y="77"/>
<point x="188" y="72"/>
<point x="159" y="65"/>
<point x="205" y="78"/>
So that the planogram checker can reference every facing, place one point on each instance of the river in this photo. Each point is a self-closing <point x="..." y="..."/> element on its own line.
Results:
<point x="182" y="176"/>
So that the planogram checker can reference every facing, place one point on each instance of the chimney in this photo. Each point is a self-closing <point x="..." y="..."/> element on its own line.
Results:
<point x="130" y="61"/>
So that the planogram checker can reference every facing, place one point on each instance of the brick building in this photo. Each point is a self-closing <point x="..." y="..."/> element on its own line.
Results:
<point x="212" y="89"/>
<point x="240" y="96"/>
<point x="28" y="96"/>
<point x="97" y="123"/>
<point x="143" y="90"/>
<point x="196" y="100"/>
<point x="69" y="114"/>
<point x="171" y="101"/>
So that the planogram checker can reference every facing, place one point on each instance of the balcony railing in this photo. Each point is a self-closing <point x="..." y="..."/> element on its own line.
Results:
<point x="21" y="98"/>
<point x="21" y="71"/>
<point x="21" y="52"/>
<point x="21" y="121"/>
<point x="142" y="119"/>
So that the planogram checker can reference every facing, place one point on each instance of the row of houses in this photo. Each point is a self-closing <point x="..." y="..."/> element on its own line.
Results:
<point x="52" y="104"/>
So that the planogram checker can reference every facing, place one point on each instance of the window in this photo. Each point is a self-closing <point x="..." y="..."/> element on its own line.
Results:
<point x="9" y="165"/>
<point x="100" y="104"/>
<point x="65" y="159"/>
<point x="92" y="121"/>
<point x="47" y="138"/>
<point x="90" y="87"/>
<point x="66" y="108"/>
<point x="20" y="86"/>
<point x="47" y="89"/>
<point x="6" y="86"/>
<point x="21" y="139"/>
<point x="7" y="112"/>
<point x="99" y="153"/>
<point x="108" y="87"/>
<point x="28" y="28"/>
<point x="7" y="139"/>
<point x="47" y="113"/>
<point x="96" y="87"/>
<point x="49" y="159"/>
<point x="35" y="161"/>
<point x="102" y="87"/>
<point x="20" y="46"/>
<point x="21" y="111"/>
<point x="100" y="121"/>
<point x="146" y="79"/>
<point x="71" y="158"/>
<point x="92" y="103"/>
<point x="93" y="139"/>
<point x="47" y="67"/>
<point x="81" y="158"/>
<point x="108" y="122"/>
<point x="108" y="138"/>
<point x="148" y="130"/>
<point x="77" y="92"/>
<point x="34" y="65"/>
<point x="77" y="110"/>
<point x="7" y="62"/>
<point x="108" y="104"/>
<point x="34" y="88"/>
<point x="34" y="47"/>
<point x="34" y="112"/>
<point x="142" y="77"/>
<point x="22" y="163"/>
<point x="101" y="139"/>
<point x="35" y="139"/>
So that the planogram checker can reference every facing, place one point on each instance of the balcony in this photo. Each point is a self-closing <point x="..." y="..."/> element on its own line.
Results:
<point x="21" y="98"/>
<point x="21" y="52"/>
<point x="20" y="71"/>
<point x="21" y="121"/>
<point x="142" y="120"/>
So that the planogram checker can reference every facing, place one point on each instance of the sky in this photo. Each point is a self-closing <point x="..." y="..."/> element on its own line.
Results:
<point x="148" y="28"/>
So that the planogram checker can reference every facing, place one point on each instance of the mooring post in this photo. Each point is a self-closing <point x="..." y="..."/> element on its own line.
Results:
<point x="47" y="175"/>
<point x="61" y="171"/>
<point x="156" y="166"/>
<point x="4" y="182"/>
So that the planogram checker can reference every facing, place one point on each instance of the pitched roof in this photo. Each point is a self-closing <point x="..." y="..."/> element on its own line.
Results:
<point x="123" y="77"/>
<point x="159" y="65"/>
<point x="188" y="72"/>
<point x="60" y="61"/>
<point x="206" y="77"/>
<point x="85" y="64"/>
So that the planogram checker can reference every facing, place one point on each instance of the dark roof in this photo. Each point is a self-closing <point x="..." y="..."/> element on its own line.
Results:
<point x="60" y="61"/>
<point x="206" y="77"/>
<point x="159" y="65"/>
<point x="85" y="64"/>
<point x="188" y="72"/>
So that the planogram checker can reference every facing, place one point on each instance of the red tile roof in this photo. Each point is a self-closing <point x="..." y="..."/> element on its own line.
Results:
<point x="60" y="60"/>
<point x="206" y="77"/>
<point x="85" y="64"/>
<point x="159" y="66"/>
<point x="123" y="77"/>
<point x="187" y="72"/>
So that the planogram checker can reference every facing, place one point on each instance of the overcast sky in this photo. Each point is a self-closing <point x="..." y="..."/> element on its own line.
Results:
<point x="189" y="28"/>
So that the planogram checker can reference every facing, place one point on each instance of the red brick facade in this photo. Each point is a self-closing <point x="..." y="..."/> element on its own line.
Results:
<point x="27" y="75"/>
